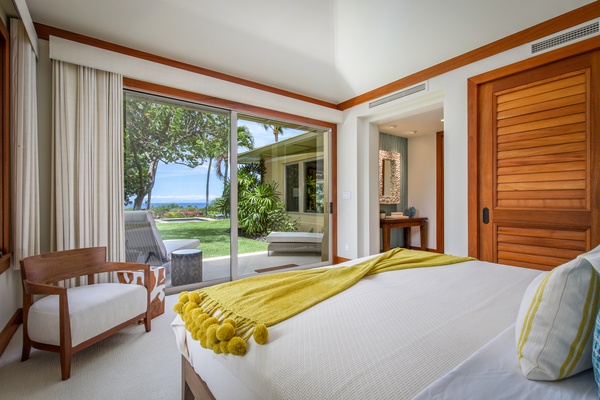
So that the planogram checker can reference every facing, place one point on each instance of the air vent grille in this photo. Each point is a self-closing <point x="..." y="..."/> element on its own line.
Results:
<point x="566" y="37"/>
<point x="406" y="92"/>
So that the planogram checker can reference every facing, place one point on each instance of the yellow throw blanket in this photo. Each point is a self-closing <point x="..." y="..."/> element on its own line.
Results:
<point x="224" y="316"/>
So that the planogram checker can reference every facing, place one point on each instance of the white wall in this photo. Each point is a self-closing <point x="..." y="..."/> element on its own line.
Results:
<point x="422" y="184"/>
<point x="354" y="160"/>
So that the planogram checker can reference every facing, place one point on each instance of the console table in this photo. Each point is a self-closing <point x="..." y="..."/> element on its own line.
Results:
<point x="387" y="224"/>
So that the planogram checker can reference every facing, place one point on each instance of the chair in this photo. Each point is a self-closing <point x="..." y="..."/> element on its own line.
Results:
<point x="67" y="320"/>
<point x="144" y="244"/>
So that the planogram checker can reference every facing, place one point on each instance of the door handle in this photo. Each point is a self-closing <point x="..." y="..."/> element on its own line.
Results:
<point x="486" y="215"/>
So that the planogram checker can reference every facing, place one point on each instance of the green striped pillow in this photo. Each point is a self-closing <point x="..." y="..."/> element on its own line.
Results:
<point x="556" y="320"/>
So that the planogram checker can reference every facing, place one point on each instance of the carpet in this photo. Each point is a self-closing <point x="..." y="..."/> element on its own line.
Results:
<point x="130" y="364"/>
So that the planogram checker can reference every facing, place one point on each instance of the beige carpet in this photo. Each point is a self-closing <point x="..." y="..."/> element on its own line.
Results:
<point x="131" y="364"/>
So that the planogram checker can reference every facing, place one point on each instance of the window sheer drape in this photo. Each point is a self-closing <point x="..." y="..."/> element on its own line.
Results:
<point x="87" y="159"/>
<point x="24" y="146"/>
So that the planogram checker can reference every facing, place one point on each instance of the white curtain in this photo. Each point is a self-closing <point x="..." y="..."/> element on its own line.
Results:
<point x="24" y="146"/>
<point x="87" y="159"/>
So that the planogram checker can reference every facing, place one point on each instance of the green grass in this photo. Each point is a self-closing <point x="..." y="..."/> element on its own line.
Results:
<point x="213" y="236"/>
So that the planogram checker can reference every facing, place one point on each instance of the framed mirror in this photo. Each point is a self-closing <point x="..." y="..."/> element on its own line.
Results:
<point x="389" y="177"/>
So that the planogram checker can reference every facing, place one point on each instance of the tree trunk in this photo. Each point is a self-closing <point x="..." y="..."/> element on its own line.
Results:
<point x="210" y="160"/>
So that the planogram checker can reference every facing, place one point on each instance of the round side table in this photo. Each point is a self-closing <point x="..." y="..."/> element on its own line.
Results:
<point x="186" y="267"/>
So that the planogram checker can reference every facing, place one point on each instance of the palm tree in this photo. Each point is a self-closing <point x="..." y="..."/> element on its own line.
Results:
<point x="277" y="130"/>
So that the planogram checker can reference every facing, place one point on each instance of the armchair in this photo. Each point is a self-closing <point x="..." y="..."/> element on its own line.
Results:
<point x="67" y="320"/>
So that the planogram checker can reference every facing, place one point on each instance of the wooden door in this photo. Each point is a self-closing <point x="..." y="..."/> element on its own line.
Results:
<point x="538" y="161"/>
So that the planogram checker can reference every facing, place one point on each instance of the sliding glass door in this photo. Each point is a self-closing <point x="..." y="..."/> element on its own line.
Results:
<point x="283" y="195"/>
<point x="211" y="195"/>
<point x="176" y="167"/>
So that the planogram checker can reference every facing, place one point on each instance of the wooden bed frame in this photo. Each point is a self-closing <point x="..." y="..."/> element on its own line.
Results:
<point x="192" y="386"/>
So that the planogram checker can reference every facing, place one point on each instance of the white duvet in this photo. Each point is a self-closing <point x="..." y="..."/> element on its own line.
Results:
<point x="388" y="337"/>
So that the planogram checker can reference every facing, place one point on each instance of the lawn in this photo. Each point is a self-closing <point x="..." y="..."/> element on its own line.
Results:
<point x="213" y="235"/>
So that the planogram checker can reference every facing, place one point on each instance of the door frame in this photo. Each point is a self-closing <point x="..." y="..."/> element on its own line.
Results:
<point x="474" y="84"/>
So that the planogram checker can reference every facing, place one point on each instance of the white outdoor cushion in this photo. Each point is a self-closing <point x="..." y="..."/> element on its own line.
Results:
<point x="556" y="320"/>
<point x="294" y="237"/>
<point x="172" y="245"/>
<point x="93" y="309"/>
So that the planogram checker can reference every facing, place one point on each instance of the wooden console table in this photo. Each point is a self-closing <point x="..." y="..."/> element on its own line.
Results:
<point x="387" y="224"/>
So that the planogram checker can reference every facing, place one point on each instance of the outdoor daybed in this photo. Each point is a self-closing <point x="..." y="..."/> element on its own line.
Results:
<point x="294" y="242"/>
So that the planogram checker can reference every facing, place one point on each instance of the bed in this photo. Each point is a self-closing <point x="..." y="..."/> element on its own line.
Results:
<point x="441" y="332"/>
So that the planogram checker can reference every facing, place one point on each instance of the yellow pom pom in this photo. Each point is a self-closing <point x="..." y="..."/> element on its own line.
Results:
<point x="195" y="312"/>
<point x="178" y="308"/>
<point x="189" y="325"/>
<point x="261" y="334"/>
<point x="209" y="321"/>
<point x="230" y="321"/>
<point x="201" y="318"/>
<point x="194" y="331"/>
<point x="211" y="335"/>
<point x="223" y="345"/>
<point x="237" y="346"/>
<point x="190" y="306"/>
<point x="217" y="348"/>
<point x="225" y="331"/>
<point x="202" y="340"/>
<point x="183" y="297"/>
<point x="195" y="297"/>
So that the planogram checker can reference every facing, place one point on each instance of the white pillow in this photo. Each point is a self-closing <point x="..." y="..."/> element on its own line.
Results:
<point x="556" y="320"/>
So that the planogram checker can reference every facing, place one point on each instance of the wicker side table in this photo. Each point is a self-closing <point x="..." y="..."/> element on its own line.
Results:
<point x="186" y="267"/>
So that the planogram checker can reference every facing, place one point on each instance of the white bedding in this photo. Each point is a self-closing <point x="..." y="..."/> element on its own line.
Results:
<point x="493" y="373"/>
<point x="389" y="336"/>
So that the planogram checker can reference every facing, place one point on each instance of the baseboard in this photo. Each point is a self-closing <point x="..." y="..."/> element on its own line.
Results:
<point x="10" y="329"/>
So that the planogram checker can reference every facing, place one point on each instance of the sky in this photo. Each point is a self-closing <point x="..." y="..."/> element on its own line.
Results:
<point x="180" y="184"/>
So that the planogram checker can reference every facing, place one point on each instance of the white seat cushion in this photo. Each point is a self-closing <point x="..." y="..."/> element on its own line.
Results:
<point x="294" y="237"/>
<point x="179" y="244"/>
<point x="93" y="309"/>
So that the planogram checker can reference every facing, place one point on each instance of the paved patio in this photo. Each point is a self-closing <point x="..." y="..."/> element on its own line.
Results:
<point x="217" y="270"/>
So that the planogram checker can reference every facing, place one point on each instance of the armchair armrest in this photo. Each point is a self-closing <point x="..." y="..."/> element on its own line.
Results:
<point x="32" y="288"/>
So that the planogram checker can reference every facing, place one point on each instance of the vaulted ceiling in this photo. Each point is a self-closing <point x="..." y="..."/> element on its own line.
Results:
<point x="331" y="50"/>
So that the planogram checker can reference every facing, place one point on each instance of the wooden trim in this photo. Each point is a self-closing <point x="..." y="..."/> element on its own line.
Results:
<point x="338" y="260"/>
<point x="9" y="330"/>
<point x="333" y="197"/>
<point x="5" y="151"/>
<point x="474" y="84"/>
<point x="162" y="90"/>
<point x="472" y="173"/>
<point x="45" y="31"/>
<point x="439" y="183"/>
<point x="192" y="385"/>
<point x="565" y="21"/>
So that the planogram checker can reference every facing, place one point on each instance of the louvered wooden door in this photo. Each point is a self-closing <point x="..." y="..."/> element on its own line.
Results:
<point x="538" y="164"/>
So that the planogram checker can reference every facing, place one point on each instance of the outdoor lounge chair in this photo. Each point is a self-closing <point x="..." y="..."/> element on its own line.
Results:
<point x="294" y="242"/>
<point x="143" y="243"/>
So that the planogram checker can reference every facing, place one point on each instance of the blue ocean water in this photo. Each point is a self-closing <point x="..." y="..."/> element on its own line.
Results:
<point x="198" y="205"/>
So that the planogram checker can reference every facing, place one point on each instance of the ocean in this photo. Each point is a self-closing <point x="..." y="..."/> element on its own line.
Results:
<point x="198" y="205"/>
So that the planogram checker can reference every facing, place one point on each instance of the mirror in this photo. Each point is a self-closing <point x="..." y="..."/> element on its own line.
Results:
<point x="389" y="177"/>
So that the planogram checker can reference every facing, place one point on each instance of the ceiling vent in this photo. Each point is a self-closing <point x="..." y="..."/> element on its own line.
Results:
<point x="566" y="37"/>
<point x="406" y="92"/>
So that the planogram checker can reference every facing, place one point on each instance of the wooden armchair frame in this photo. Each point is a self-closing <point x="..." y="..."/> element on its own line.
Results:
<point x="40" y="274"/>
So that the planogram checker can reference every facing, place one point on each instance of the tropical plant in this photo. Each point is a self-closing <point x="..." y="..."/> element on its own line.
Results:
<point x="277" y="130"/>
<point x="260" y="210"/>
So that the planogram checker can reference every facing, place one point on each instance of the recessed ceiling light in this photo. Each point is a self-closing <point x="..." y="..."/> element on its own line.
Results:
<point x="411" y="132"/>
<point x="393" y="126"/>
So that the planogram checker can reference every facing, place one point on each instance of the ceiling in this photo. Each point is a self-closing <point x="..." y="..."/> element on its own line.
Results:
<point x="331" y="50"/>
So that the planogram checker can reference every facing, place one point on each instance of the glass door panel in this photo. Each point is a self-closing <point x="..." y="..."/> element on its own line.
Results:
<point x="283" y="196"/>
<point x="176" y="158"/>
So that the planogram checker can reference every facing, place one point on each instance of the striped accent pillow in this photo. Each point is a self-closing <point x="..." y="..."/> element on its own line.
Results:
<point x="596" y="354"/>
<point x="556" y="320"/>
